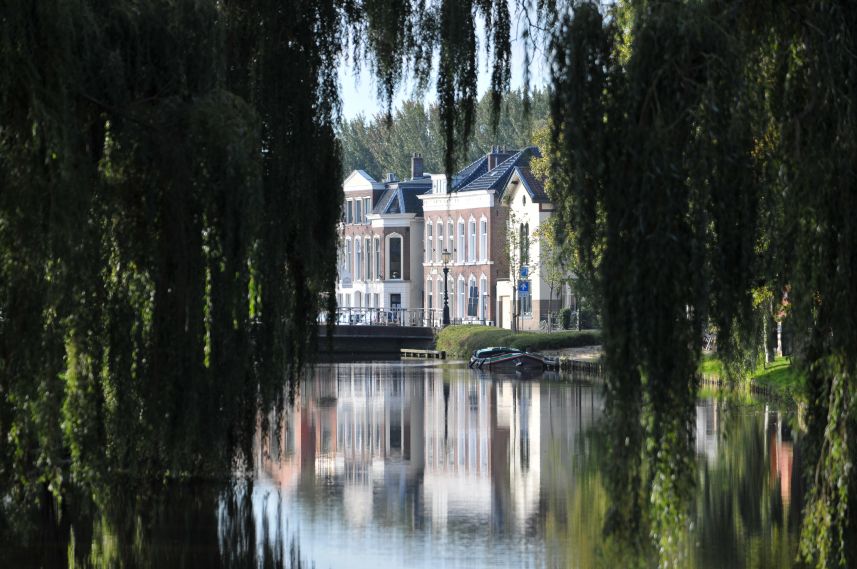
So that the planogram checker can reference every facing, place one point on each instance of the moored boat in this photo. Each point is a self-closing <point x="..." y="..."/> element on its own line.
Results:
<point x="508" y="358"/>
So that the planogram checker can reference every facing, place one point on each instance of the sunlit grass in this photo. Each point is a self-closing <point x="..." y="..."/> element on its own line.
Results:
<point x="779" y="375"/>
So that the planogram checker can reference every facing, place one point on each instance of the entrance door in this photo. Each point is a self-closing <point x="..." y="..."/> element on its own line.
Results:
<point x="396" y="307"/>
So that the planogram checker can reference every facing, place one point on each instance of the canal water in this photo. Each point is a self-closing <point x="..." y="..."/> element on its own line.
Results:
<point x="419" y="465"/>
<point x="431" y="465"/>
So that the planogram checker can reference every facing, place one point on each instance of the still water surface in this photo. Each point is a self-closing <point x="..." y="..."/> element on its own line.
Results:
<point x="423" y="465"/>
<point x="418" y="465"/>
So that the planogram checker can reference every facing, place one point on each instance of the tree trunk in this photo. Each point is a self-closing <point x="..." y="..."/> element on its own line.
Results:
<point x="513" y="310"/>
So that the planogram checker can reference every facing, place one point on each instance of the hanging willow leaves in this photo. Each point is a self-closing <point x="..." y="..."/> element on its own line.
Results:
<point x="695" y="159"/>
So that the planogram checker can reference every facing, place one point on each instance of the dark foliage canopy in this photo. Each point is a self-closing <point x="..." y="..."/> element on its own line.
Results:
<point x="160" y="277"/>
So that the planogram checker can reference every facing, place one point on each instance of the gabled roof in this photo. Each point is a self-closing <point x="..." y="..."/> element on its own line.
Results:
<point x="401" y="197"/>
<point x="499" y="176"/>
<point x="360" y="179"/>
<point x="534" y="187"/>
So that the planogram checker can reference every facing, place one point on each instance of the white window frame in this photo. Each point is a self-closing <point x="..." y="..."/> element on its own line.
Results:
<point x="450" y="237"/>
<point x="483" y="297"/>
<point x="438" y="255"/>
<point x="358" y="259"/>
<point x="367" y="208"/>
<point x="429" y="243"/>
<point x="471" y="240"/>
<point x="483" y="238"/>
<point x="460" y="253"/>
<point x="349" y="260"/>
<point x="472" y="299"/>
<point x="358" y="210"/>
<point x="377" y="275"/>
<point x="349" y="211"/>
<point x="461" y="298"/>
<point x="429" y="296"/>
<point x="367" y="247"/>
<point x="388" y="240"/>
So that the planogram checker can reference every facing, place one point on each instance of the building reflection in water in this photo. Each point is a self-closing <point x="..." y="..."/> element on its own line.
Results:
<point x="389" y="464"/>
<point x="436" y="450"/>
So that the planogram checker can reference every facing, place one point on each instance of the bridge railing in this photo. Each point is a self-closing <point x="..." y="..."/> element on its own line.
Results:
<point x="353" y="316"/>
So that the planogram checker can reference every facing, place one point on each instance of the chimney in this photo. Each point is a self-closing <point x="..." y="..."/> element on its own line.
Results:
<point x="492" y="158"/>
<point x="416" y="165"/>
<point x="391" y="177"/>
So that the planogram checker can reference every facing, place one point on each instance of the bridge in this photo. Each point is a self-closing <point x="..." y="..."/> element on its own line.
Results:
<point x="367" y="333"/>
<point x="366" y="342"/>
<point x="377" y="333"/>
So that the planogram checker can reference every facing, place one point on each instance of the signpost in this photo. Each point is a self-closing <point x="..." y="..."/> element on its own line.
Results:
<point x="524" y="288"/>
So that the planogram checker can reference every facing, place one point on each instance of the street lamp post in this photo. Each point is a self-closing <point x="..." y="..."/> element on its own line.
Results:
<point x="446" y="255"/>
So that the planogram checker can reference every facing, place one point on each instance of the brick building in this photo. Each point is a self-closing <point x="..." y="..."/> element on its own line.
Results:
<point x="465" y="216"/>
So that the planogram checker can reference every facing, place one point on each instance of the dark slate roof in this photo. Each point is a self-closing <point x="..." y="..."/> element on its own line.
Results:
<point x="401" y="197"/>
<point x="535" y="188"/>
<point x="470" y="172"/>
<point x="497" y="178"/>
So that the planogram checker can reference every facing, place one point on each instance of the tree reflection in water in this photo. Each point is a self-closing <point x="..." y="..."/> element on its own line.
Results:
<point x="388" y="464"/>
<point x="743" y="512"/>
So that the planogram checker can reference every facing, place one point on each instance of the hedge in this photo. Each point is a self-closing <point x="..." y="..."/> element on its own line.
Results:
<point x="461" y="341"/>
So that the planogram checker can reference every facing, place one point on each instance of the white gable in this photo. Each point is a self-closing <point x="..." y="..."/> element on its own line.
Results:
<point x="360" y="180"/>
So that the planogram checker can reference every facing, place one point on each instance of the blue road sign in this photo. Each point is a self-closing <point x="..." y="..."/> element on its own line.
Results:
<point x="525" y="271"/>
<point x="524" y="287"/>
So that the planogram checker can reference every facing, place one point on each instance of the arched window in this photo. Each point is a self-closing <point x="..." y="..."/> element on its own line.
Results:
<point x="349" y="262"/>
<point x="429" y="295"/>
<point x="483" y="239"/>
<point x="472" y="297"/>
<point x="525" y="243"/>
<point x="377" y="258"/>
<point x="394" y="257"/>
<point x="429" y="243"/>
<point x="483" y="305"/>
<point x="367" y="252"/>
<point x="460" y="255"/>
<point x="440" y="293"/>
<point x="357" y="299"/>
<point x="471" y="240"/>
<point x="438" y="253"/>
<point x="449" y="237"/>
<point x="358" y="259"/>
<point x="460" y="301"/>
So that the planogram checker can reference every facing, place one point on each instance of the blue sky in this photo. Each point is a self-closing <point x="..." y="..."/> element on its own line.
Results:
<point x="359" y="94"/>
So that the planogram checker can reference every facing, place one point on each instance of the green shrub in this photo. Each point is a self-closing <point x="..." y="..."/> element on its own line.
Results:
<point x="565" y="318"/>
<point x="461" y="341"/>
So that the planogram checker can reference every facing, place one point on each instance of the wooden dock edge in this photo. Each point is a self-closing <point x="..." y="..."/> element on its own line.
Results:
<point x="411" y="353"/>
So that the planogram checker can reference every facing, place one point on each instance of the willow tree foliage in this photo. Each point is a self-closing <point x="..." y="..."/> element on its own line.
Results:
<point x="159" y="274"/>
<point x="705" y="155"/>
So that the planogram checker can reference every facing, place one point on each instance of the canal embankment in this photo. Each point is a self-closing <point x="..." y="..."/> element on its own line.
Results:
<point x="779" y="378"/>
<point x="460" y="341"/>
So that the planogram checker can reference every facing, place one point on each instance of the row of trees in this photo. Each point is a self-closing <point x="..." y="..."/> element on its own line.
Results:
<point x="382" y="143"/>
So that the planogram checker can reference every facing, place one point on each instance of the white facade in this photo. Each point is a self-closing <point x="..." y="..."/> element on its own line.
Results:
<point x="527" y="215"/>
<point x="371" y="278"/>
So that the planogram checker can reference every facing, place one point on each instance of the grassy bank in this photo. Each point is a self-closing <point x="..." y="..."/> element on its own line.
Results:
<point x="460" y="341"/>
<point x="778" y="375"/>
